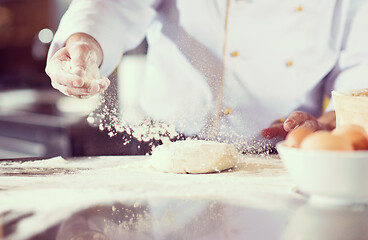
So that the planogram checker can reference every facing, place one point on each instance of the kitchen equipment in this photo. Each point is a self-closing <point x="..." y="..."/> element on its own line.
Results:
<point x="36" y="123"/>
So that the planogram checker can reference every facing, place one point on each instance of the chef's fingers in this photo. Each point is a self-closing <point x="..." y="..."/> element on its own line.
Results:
<point x="88" y="90"/>
<point x="94" y="87"/>
<point x="57" y="72"/>
<point x="275" y="130"/>
<point x="62" y="54"/>
<point x="79" y="54"/>
<point x="104" y="83"/>
<point x="295" y="119"/>
<point x="98" y="85"/>
<point x="311" y="125"/>
<point x="59" y="76"/>
<point x="75" y="92"/>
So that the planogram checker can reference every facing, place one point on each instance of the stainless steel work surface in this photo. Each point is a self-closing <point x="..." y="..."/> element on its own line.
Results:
<point x="123" y="197"/>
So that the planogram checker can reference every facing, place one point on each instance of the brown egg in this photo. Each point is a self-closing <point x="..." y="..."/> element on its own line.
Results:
<point x="355" y="134"/>
<point x="296" y="136"/>
<point x="324" y="140"/>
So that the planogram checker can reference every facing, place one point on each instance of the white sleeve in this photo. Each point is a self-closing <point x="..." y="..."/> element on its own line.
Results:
<point x="353" y="62"/>
<point x="117" y="25"/>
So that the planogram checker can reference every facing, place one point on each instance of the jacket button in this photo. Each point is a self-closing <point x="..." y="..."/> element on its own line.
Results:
<point x="289" y="63"/>
<point x="234" y="54"/>
<point x="228" y="111"/>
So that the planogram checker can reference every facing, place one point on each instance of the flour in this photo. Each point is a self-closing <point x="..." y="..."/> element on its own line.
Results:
<point x="359" y="93"/>
<point x="104" y="180"/>
<point x="107" y="117"/>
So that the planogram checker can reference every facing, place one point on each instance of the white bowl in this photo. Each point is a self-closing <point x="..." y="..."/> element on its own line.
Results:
<point x="328" y="176"/>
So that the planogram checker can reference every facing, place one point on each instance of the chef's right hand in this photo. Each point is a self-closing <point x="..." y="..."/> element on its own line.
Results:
<point x="76" y="52"/>
<point x="327" y="121"/>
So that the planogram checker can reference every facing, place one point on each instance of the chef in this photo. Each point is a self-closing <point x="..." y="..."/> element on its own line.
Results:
<point x="238" y="70"/>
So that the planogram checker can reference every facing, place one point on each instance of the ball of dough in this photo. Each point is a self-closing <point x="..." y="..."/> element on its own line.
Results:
<point x="194" y="156"/>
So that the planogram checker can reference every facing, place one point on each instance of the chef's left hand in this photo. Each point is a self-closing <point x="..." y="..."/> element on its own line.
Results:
<point x="300" y="119"/>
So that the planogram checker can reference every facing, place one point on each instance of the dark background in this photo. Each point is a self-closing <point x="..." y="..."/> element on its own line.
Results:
<point x="35" y="127"/>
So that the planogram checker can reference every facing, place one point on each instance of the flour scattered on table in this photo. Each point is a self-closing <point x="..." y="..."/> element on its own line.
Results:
<point x="255" y="182"/>
<point x="194" y="156"/>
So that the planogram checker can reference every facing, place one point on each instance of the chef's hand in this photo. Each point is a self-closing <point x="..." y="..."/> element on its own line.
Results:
<point x="300" y="119"/>
<point x="77" y="51"/>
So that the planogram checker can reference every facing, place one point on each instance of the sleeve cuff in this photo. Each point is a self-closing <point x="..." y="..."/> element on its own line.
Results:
<point x="81" y="19"/>
<point x="116" y="25"/>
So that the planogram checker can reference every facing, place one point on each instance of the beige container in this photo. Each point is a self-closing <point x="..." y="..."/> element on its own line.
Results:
<point x="351" y="107"/>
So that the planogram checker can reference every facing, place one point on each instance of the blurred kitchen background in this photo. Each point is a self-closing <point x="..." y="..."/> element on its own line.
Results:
<point x="36" y="120"/>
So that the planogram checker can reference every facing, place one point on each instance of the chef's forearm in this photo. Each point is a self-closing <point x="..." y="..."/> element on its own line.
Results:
<point x="328" y="120"/>
<point x="89" y="41"/>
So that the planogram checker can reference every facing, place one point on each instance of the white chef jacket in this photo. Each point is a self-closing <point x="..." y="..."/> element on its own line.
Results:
<point x="281" y="56"/>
